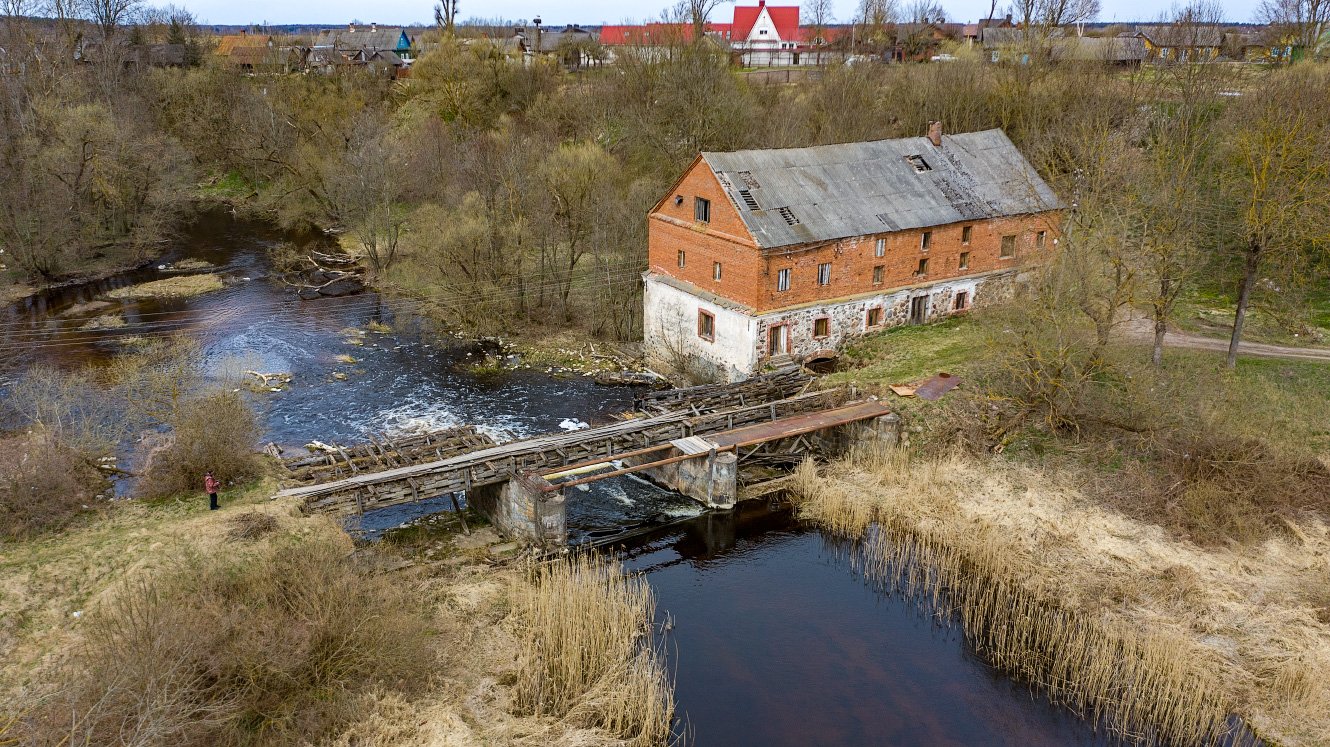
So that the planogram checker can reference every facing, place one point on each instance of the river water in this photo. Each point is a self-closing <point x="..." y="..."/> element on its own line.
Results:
<point x="775" y="639"/>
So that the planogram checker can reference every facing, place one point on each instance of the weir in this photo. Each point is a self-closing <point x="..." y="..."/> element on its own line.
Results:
<point x="695" y="445"/>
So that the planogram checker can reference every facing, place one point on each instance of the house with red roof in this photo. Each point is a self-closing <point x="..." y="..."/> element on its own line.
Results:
<point x="767" y="35"/>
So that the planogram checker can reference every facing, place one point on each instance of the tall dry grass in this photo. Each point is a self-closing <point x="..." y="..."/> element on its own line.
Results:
<point x="588" y="653"/>
<point x="1151" y="687"/>
<point x="270" y="647"/>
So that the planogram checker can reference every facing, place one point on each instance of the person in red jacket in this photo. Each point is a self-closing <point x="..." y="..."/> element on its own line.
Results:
<point x="211" y="484"/>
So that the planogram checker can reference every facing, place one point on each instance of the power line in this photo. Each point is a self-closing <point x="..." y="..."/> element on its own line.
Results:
<point x="115" y="333"/>
<point x="303" y="308"/>
<point x="559" y="277"/>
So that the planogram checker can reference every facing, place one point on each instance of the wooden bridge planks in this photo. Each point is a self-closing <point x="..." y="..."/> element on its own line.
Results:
<point x="487" y="466"/>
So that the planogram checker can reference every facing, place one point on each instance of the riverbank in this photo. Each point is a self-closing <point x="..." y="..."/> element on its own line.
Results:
<point x="1241" y="629"/>
<point x="469" y="605"/>
<point x="1188" y="523"/>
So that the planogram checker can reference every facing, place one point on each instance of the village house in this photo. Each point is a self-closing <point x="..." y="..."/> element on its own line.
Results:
<point x="762" y="256"/>
<point x="766" y="35"/>
<point x="366" y="40"/>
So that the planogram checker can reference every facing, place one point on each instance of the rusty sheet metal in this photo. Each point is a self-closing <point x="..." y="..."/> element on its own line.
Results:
<point x="937" y="385"/>
<point x="799" y="424"/>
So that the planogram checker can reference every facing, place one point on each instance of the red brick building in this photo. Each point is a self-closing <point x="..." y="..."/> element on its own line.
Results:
<point x="764" y="254"/>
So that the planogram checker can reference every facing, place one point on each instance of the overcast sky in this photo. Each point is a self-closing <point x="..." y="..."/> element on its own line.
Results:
<point x="583" y="11"/>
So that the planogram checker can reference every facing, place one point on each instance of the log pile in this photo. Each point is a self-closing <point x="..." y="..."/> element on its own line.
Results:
<point x="770" y="387"/>
<point x="328" y="275"/>
<point x="328" y="462"/>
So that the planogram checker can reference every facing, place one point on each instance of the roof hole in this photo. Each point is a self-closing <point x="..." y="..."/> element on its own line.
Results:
<point x="919" y="164"/>
<point x="747" y="178"/>
<point x="748" y="199"/>
<point x="790" y="218"/>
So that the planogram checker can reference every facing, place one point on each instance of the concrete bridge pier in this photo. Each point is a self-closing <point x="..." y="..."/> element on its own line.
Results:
<point x="884" y="430"/>
<point x="525" y="508"/>
<point x="711" y="478"/>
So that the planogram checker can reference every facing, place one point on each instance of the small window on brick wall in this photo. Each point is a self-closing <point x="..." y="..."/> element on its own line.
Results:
<point x="715" y="271"/>
<point x="925" y="241"/>
<point x="966" y="233"/>
<point x="1008" y="247"/>
<point x="822" y="326"/>
<point x="965" y="261"/>
<point x="824" y="273"/>
<point x="702" y="209"/>
<point x="706" y="325"/>
<point x="683" y="258"/>
<point x="879" y="272"/>
<point x="1039" y="239"/>
<point x="923" y="267"/>
<point x="783" y="279"/>
<point x="875" y="316"/>
<point x="880" y="249"/>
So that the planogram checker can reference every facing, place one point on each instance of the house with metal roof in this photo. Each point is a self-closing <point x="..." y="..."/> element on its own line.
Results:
<point x="758" y="257"/>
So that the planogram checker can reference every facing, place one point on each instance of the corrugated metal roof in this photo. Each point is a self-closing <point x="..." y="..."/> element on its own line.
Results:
<point x="830" y="192"/>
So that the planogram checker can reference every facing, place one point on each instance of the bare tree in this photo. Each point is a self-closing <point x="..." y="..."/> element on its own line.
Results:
<point x="1303" y="20"/>
<point x="1039" y="18"/>
<point x="873" y="22"/>
<point x="108" y="15"/>
<point x="445" y="15"/>
<point x="1169" y="209"/>
<point x="697" y="14"/>
<point x="818" y="16"/>
<point x="1275" y="178"/>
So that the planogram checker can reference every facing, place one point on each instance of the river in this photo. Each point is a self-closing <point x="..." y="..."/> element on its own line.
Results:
<point x="775" y="640"/>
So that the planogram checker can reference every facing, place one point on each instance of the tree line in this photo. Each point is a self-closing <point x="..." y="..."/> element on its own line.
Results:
<point x="508" y="193"/>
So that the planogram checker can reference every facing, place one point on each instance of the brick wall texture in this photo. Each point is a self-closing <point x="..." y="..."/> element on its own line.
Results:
<point x="749" y="274"/>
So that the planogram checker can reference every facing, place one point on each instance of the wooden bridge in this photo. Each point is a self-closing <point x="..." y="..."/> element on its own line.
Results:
<point x="691" y="440"/>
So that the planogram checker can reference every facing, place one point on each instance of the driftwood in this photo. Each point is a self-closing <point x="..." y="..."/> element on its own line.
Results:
<point x="787" y="382"/>
<point x="331" y="275"/>
<point x="334" y="461"/>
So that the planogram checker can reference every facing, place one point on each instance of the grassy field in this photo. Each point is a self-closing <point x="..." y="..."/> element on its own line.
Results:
<point x="1286" y="400"/>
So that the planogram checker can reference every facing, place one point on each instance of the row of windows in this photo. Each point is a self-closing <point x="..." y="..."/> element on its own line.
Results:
<point x="702" y="214"/>
<point x="702" y="210"/>
<point x="706" y="321"/>
<point x="824" y="271"/>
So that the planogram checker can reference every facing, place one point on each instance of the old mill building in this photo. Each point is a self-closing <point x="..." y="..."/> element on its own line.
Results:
<point x="762" y="256"/>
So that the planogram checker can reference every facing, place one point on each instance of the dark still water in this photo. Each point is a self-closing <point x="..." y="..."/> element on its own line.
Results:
<point x="777" y="641"/>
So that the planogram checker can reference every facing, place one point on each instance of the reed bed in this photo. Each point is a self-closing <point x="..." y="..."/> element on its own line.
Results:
<point x="1148" y="687"/>
<point x="588" y="654"/>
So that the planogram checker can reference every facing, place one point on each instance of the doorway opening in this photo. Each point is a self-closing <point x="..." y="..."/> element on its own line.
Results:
<point x="918" y="309"/>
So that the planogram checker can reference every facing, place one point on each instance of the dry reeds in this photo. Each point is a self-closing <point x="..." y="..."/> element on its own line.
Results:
<point x="1148" y="687"/>
<point x="272" y="647"/>
<point x="251" y="525"/>
<point x="587" y="650"/>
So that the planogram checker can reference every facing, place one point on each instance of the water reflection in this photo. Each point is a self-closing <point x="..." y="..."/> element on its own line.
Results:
<point x="776" y="641"/>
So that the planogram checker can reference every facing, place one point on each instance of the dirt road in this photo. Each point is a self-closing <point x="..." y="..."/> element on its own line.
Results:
<point x="1141" y="329"/>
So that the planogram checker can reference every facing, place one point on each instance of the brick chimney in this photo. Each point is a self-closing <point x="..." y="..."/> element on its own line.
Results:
<point x="351" y="26"/>
<point x="374" y="26"/>
<point x="935" y="133"/>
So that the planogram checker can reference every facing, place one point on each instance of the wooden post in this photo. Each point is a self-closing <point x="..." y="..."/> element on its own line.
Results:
<point x="457" y="509"/>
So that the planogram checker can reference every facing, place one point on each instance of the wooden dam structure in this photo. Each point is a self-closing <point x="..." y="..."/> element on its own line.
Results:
<point x="692" y="440"/>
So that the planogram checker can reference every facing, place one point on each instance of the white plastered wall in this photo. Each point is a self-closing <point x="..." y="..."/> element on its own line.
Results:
<point x="669" y="323"/>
